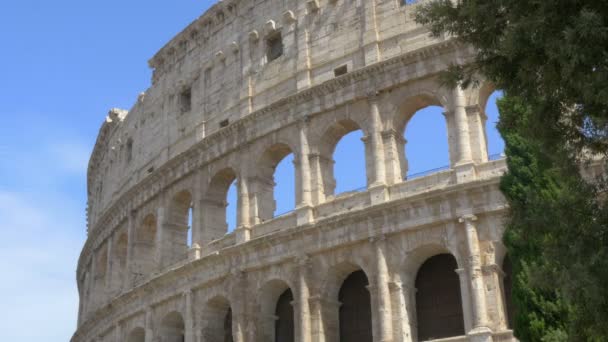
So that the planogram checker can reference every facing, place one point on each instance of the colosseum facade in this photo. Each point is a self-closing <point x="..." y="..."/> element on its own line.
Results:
<point x="242" y="87"/>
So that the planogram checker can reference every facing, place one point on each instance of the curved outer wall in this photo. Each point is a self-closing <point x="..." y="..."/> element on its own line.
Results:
<point x="222" y="108"/>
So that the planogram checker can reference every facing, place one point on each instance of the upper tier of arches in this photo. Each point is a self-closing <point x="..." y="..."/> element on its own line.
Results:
<point x="189" y="218"/>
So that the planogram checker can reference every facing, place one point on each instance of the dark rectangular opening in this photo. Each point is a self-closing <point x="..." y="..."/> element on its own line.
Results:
<point x="185" y="100"/>
<point x="339" y="71"/>
<point x="224" y="123"/>
<point x="274" y="46"/>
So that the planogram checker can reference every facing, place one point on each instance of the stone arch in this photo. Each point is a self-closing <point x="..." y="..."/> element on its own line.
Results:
<point x="137" y="335"/>
<point x="265" y="182"/>
<point x="215" y="204"/>
<point x="172" y="327"/>
<point x="324" y="161"/>
<point x="217" y="320"/>
<point x="330" y="293"/>
<point x="355" y="314"/>
<point x="276" y="312"/>
<point x="176" y="228"/>
<point x="439" y="307"/>
<point x="411" y="265"/>
<point x="144" y="248"/>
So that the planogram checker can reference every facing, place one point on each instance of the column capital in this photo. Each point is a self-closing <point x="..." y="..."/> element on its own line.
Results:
<point x="467" y="219"/>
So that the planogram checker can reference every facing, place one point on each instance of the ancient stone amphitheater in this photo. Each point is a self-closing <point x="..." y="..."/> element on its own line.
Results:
<point x="246" y="84"/>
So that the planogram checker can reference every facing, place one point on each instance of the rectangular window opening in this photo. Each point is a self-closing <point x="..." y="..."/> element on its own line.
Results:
<point x="343" y="70"/>
<point x="185" y="100"/>
<point x="274" y="47"/>
<point x="224" y="123"/>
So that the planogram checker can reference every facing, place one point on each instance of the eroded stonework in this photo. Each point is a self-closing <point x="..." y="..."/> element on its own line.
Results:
<point x="243" y="86"/>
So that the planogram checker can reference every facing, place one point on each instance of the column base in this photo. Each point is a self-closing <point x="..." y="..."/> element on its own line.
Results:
<point x="465" y="172"/>
<point x="305" y="215"/>
<point x="243" y="234"/>
<point x="480" y="334"/>
<point x="194" y="253"/>
<point x="378" y="193"/>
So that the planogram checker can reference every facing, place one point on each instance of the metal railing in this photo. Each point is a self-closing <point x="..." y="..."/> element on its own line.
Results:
<point x="492" y="157"/>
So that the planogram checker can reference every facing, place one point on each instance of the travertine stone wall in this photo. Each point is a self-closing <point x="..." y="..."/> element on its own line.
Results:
<point x="219" y="110"/>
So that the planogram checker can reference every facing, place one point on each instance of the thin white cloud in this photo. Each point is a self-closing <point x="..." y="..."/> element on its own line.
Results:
<point x="38" y="253"/>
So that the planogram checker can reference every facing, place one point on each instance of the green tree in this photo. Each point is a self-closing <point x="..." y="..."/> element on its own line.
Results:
<point x="551" y="59"/>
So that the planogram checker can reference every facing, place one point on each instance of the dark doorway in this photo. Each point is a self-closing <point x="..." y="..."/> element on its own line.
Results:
<point x="228" y="326"/>
<point x="355" y="311"/>
<point x="507" y="268"/>
<point x="283" y="328"/>
<point x="438" y="299"/>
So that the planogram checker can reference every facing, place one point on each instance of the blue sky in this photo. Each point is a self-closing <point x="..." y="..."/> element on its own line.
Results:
<point x="64" y="65"/>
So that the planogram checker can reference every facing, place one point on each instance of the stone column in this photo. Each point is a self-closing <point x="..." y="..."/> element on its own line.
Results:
<point x="382" y="310"/>
<point x="161" y="222"/>
<point x="239" y="307"/>
<point x="149" y="325"/>
<point x="189" y="317"/>
<point x="109" y="268"/>
<point x="128" y="279"/>
<point x="118" y="333"/>
<point x="394" y="156"/>
<point x="463" y="277"/>
<point x="477" y="130"/>
<point x="302" y="316"/>
<point x="377" y="185"/>
<point x="243" y="230"/>
<point x="318" y="188"/>
<point x="197" y="212"/>
<point x="304" y="206"/>
<point x="462" y="127"/>
<point x="402" y="323"/>
<point x="325" y="319"/>
<point x="480" y="331"/>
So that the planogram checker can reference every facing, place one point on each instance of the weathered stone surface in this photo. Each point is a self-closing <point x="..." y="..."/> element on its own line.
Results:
<point x="240" y="88"/>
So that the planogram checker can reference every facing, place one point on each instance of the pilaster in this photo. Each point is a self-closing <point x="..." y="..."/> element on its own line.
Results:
<point x="480" y="331"/>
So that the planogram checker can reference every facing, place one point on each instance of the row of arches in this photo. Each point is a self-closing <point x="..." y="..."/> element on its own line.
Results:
<point x="342" y="151"/>
<point x="438" y="309"/>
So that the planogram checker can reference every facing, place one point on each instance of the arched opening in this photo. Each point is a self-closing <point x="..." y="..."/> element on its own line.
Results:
<point x="426" y="137"/>
<point x="341" y="164"/>
<point x="496" y="145"/>
<point x="355" y="310"/>
<point x="507" y="268"/>
<point x="438" y="299"/>
<point x="172" y="328"/>
<point x="276" y="184"/>
<point x="284" y="323"/>
<point x="228" y="326"/>
<point x="137" y="335"/>
<point x="219" y="206"/>
<point x="217" y="320"/>
<point x="120" y="261"/>
<point x="349" y="163"/>
<point x="144" y="249"/>
<point x="276" y="320"/>
<point x="176" y="233"/>
<point x="231" y="207"/>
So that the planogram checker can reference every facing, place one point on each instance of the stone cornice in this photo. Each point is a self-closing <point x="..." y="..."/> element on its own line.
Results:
<point x="198" y="155"/>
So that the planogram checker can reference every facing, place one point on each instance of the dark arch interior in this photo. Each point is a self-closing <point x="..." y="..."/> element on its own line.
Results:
<point x="284" y="328"/>
<point x="137" y="335"/>
<point x="438" y="299"/>
<point x="508" y="286"/>
<point x="228" y="326"/>
<point x="355" y="311"/>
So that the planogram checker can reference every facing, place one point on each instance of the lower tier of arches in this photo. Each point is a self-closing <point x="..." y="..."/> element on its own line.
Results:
<point x="367" y="281"/>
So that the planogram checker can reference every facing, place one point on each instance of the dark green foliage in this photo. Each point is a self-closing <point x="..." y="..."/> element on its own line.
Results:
<point x="551" y="59"/>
